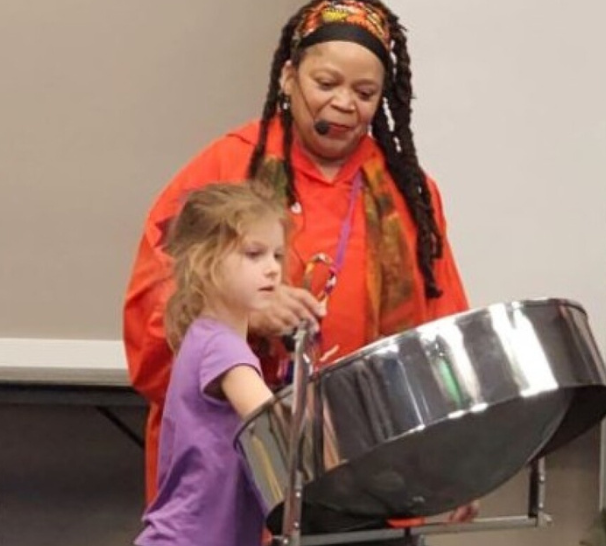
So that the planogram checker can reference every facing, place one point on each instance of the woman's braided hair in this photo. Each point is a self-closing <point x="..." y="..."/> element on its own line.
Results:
<point x="395" y="139"/>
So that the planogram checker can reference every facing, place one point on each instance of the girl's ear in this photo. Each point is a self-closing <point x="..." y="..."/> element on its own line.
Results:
<point x="286" y="77"/>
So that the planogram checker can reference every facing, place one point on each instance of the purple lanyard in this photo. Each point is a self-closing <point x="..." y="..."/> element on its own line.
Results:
<point x="347" y="223"/>
<point x="336" y="264"/>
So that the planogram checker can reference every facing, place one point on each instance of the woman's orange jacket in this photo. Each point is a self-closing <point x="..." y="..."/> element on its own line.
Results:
<point x="324" y="206"/>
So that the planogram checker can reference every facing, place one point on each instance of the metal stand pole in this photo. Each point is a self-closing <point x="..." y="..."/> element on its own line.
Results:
<point x="291" y="522"/>
<point x="602" y="502"/>
<point x="536" y="495"/>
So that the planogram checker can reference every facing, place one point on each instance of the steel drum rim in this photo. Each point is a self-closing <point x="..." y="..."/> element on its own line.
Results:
<point x="286" y="391"/>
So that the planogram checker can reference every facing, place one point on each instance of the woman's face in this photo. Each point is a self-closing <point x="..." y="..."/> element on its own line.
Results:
<point x="340" y="83"/>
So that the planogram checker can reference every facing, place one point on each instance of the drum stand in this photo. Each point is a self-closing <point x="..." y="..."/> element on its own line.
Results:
<point x="410" y="536"/>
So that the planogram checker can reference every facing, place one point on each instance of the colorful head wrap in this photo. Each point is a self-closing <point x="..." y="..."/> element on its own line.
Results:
<point x="349" y="20"/>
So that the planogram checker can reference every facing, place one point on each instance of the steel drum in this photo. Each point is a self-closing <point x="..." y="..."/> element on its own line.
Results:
<point x="423" y="421"/>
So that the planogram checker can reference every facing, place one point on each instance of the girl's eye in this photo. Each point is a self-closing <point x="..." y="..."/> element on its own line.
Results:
<point x="253" y="254"/>
<point x="279" y="256"/>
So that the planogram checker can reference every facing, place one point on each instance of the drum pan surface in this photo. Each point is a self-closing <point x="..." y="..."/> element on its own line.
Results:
<point x="423" y="421"/>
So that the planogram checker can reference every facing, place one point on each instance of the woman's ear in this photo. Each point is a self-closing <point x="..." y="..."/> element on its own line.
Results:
<point x="286" y="77"/>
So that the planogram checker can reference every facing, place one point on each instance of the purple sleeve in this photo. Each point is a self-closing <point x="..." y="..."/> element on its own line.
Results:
<point x="224" y="350"/>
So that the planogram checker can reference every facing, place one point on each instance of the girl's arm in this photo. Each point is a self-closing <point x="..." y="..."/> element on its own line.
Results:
<point x="245" y="389"/>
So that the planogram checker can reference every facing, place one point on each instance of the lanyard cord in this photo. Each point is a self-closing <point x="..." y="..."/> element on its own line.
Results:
<point x="335" y="265"/>
<point x="347" y="223"/>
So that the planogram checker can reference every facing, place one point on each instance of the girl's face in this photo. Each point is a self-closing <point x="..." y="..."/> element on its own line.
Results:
<point x="251" y="272"/>
<point x="338" y="82"/>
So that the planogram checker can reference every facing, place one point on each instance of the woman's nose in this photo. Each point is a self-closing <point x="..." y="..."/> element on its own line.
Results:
<point x="344" y="99"/>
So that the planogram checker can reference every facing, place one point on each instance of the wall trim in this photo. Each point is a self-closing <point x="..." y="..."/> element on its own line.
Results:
<point x="62" y="353"/>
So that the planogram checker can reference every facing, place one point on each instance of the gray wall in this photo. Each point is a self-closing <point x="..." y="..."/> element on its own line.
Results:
<point x="68" y="477"/>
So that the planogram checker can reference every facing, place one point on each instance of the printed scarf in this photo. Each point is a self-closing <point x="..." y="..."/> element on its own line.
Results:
<point x="389" y="262"/>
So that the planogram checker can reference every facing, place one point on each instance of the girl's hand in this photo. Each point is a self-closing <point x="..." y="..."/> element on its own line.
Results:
<point x="290" y="306"/>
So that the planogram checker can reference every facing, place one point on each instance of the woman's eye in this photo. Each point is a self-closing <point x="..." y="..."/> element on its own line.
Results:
<point x="366" y="95"/>
<point x="325" y="86"/>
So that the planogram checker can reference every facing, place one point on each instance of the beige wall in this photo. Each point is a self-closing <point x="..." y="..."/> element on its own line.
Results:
<point x="100" y="104"/>
<point x="510" y="119"/>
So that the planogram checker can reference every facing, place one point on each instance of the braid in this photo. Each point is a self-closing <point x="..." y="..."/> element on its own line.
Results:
<point x="400" y="153"/>
<point x="272" y="104"/>
<point x="270" y="107"/>
<point x="291" y="192"/>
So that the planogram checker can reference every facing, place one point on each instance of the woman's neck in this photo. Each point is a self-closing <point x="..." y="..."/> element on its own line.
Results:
<point x="327" y="166"/>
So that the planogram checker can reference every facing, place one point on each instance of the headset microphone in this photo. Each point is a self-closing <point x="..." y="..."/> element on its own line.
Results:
<point x="322" y="127"/>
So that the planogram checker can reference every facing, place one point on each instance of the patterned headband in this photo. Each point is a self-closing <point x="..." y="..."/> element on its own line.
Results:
<point x="349" y="20"/>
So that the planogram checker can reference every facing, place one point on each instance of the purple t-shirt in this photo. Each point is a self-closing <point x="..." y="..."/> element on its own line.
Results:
<point x="204" y="497"/>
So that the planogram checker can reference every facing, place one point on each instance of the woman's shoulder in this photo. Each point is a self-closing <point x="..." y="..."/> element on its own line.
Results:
<point x="247" y="136"/>
<point x="242" y="135"/>
<point x="225" y="159"/>
<point x="240" y="140"/>
<point x="432" y="185"/>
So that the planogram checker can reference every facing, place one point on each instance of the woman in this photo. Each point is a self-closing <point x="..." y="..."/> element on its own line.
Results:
<point x="335" y="140"/>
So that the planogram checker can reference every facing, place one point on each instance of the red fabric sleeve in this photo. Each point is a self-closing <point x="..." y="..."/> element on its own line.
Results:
<point x="454" y="299"/>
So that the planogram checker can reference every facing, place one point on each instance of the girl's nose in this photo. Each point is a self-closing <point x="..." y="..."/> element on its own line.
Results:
<point x="274" y="267"/>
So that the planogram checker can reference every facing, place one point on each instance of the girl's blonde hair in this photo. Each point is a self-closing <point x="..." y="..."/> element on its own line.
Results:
<point x="212" y="222"/>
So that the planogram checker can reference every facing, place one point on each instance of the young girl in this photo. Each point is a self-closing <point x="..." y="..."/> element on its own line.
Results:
<point x="227" y="245"/>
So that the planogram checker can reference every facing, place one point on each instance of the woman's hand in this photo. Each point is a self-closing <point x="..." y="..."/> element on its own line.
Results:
<point x="465" y="513"/>
<point x="289" y="307"/>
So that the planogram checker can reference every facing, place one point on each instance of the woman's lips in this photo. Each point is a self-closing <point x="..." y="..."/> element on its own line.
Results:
<point x="338" y="128"/>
